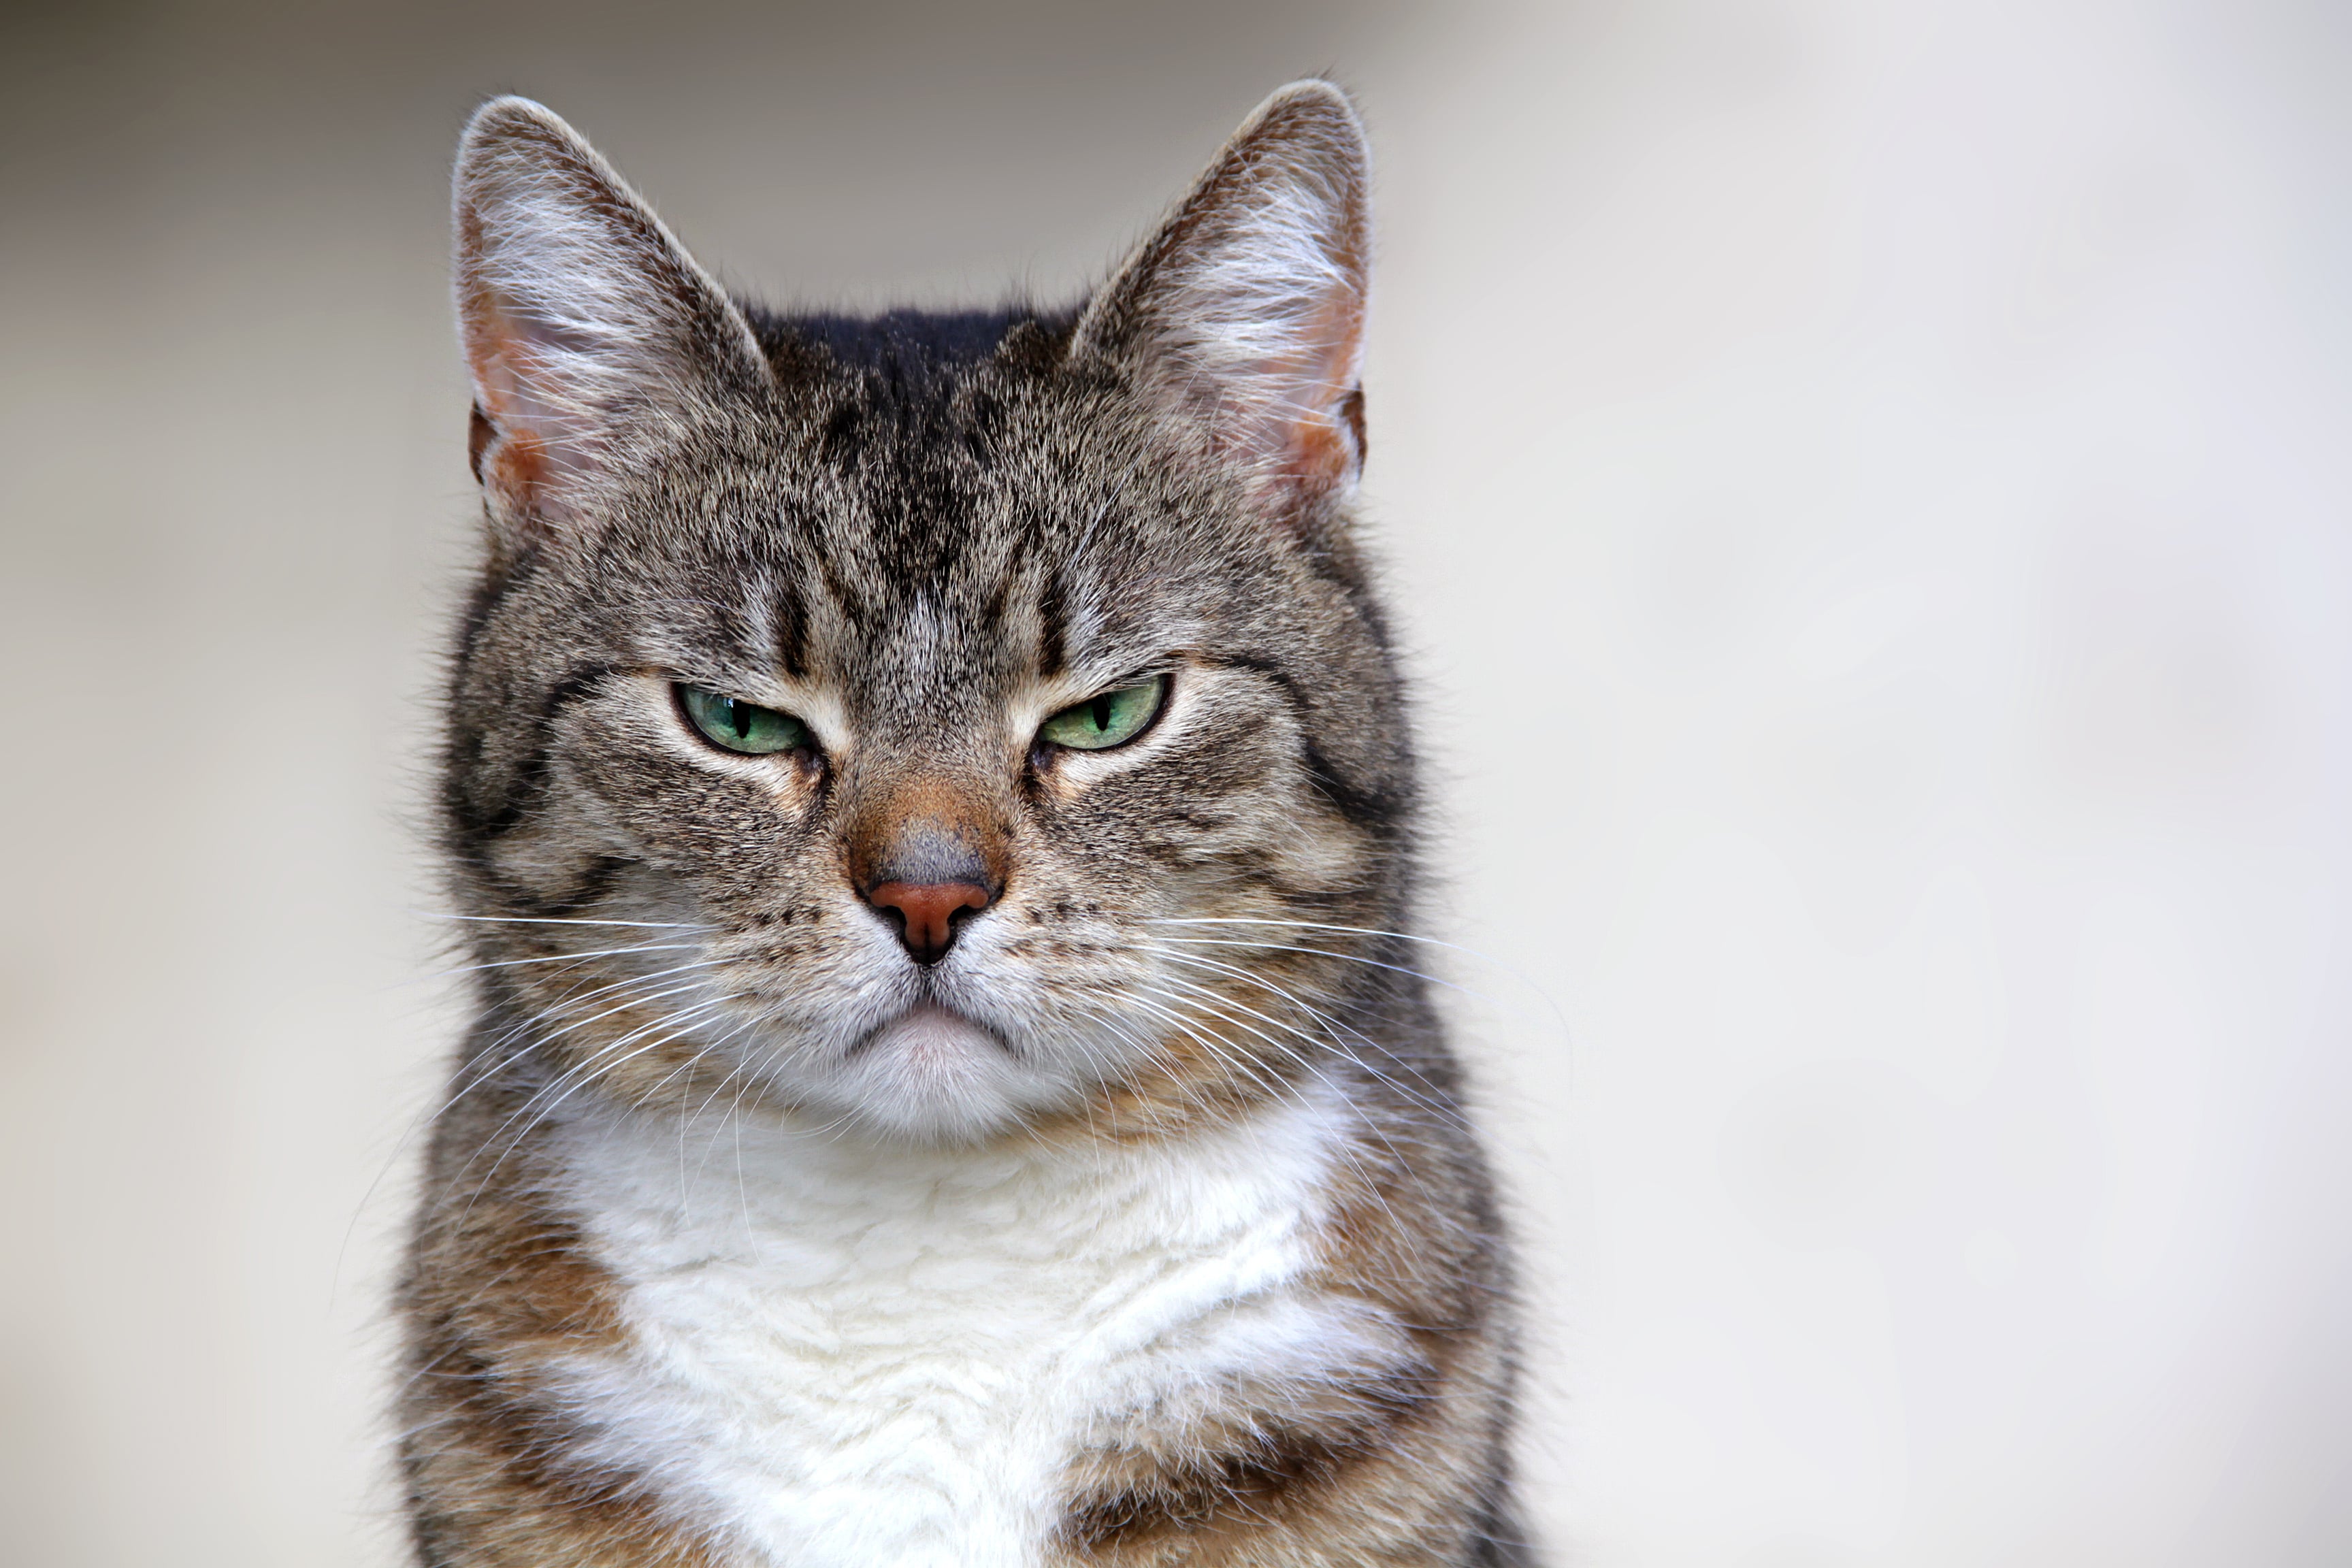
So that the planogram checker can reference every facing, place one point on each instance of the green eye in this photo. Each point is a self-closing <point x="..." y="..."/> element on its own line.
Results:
<point x="1111" y="719"/>
<point x="735" y="725"/>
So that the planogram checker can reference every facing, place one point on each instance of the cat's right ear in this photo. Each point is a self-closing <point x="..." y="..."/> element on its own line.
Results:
<point x="580" y="312"/>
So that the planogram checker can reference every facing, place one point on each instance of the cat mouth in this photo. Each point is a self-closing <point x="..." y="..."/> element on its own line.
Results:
<point x="931" y="1030"/>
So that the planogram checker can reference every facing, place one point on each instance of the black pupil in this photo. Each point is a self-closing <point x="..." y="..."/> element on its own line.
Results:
<point x="1101" y="706"/>
<point x="739" y="715"/>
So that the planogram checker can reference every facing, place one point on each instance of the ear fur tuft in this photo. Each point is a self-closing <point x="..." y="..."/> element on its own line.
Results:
<point x="578" y="308"/>
<point x="1246" y="308"/>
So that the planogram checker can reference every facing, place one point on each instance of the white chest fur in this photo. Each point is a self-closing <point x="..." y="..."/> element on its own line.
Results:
<point x="844" y="1354"/>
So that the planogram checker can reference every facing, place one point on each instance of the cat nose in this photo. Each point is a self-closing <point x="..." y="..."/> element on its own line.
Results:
<point x="927" y="912"/>
<point x="928" y="877"/>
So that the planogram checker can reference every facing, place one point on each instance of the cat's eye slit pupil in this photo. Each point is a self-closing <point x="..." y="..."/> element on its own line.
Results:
<point x="734" y="725"/>
<point x="1107" y="718"/>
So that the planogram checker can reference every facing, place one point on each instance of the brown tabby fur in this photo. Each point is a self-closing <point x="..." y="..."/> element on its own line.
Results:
<point x="681" y="488"/>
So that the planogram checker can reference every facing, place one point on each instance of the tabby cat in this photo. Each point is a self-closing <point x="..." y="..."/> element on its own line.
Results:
<point x="931" y="804"/>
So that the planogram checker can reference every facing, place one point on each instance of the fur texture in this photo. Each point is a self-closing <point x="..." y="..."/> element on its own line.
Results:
<point x="1142" y="1225"/>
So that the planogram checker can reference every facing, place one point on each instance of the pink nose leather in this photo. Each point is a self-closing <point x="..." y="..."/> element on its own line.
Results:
<point x="929" y="910"/>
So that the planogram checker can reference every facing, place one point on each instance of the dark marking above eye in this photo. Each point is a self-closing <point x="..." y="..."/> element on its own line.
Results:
<point x="1053" y="617"/>
<point x="789" y="618"/>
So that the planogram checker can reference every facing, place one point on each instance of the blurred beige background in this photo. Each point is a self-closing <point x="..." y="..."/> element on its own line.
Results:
<point x="1866" y="486"/>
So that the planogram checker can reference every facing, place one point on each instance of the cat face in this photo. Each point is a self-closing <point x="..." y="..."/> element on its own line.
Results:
<point x="963" y="723"/>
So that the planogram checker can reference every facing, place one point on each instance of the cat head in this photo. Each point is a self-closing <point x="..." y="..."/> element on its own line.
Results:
<point x="936" y="724"/>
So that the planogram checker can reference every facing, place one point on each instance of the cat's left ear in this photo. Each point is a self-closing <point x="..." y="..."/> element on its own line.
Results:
<point x="1246" y="309"/>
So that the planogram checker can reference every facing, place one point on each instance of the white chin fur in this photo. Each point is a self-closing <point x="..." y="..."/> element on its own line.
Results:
<point x="935" y="1076"/>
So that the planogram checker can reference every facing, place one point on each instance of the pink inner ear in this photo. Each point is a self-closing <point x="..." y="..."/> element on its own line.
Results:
<point x="1309" y="433"/>
<point x="535" y="442"/>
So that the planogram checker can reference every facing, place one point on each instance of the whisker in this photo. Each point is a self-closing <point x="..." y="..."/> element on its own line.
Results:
<point x="566" y="921"/>
<point x="1222" y="1050"/>
<point x="1290" y="1053"/>
<point x="490" y="1050"/>
<point x="600" y="1051"/>
<point x="1333" y="1025"/>
<point x="1444" y="1110"/>
<point x="1355" y="1164"/>
<point x="563" y="958"/>
<point x="490" y="1058"/>
<point x="1558" y="1015"/>
<point x="603" y="1070"/>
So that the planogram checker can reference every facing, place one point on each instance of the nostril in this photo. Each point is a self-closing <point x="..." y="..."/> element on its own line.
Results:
<point x="927" y="912"/>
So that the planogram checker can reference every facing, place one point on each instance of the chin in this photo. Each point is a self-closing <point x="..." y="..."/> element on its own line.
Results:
<point x="934" y="1076"/>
